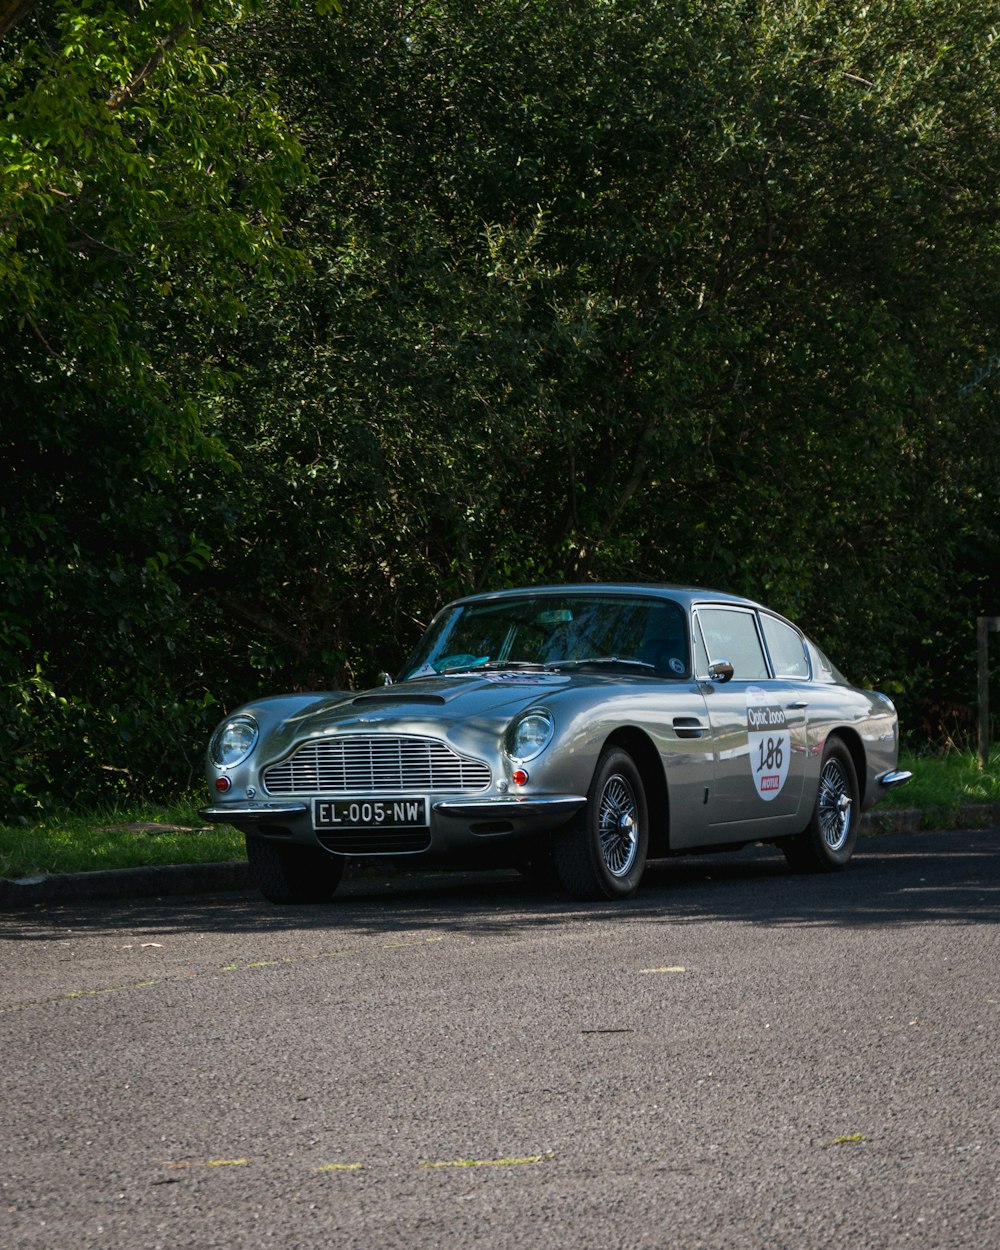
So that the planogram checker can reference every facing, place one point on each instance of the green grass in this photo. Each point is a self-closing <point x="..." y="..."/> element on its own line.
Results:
<point x="146" y="835"/>
<point x="942" y="784"/>
<point x="139" y="837"/>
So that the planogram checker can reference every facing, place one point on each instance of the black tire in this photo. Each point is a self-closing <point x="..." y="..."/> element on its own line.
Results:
<point x="538" y="868"/>
<point x="288" y="873"/>
<point x="827" y="842"/>
<point x="602" y="854"/>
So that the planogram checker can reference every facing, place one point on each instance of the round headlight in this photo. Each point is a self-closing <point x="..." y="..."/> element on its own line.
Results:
<point x="233" y="741"/>
<point x="530" y="735"/>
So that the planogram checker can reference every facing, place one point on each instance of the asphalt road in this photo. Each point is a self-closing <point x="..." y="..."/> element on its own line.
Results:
<point x="737" y="1058"/>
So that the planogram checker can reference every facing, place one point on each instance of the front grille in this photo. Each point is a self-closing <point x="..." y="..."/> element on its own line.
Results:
<point x="360" y="764"/>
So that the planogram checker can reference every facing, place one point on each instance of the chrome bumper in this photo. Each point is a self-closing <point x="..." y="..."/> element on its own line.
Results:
<point x="249" y="810"/>
<point x="556" y="806"/>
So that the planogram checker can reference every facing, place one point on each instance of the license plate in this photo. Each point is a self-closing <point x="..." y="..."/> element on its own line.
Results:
<point x="369" y="813"/>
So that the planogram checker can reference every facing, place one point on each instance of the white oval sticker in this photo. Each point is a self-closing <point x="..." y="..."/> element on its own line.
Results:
<point x="770" y="742"/>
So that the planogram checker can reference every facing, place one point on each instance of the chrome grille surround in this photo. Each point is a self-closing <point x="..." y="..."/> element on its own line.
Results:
<point x="376" y="764"/>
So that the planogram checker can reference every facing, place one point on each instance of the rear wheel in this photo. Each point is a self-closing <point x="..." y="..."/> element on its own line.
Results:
<point x="602" y="853"/>
<point x="285" y="872"/>
<point x="827" y="842"/>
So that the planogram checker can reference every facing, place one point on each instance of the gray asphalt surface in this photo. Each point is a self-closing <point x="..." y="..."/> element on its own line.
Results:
<point x="737" y="1058"/>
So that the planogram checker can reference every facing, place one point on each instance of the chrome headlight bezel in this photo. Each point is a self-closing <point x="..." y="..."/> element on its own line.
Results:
<point x="233" y="741"/>
<point x="529" y="734"/>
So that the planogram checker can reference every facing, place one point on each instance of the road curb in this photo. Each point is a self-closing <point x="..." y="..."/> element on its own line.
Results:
<point x="126" y="883"/>
<point x="913" y="819"/>
<point x="233" y="875"/>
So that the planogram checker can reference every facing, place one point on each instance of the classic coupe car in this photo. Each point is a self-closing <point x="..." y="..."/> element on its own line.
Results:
<point x="573" y="731"/>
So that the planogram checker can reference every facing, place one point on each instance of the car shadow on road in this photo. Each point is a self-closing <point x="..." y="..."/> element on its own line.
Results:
<point x="894" y="880"/>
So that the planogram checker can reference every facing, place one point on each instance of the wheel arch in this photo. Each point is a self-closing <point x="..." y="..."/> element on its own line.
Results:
<point x="643" y="751"/>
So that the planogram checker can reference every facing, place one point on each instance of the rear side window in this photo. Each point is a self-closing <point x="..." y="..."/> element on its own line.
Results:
<point x="788" y="654"/>
<point x="731" y="634"/>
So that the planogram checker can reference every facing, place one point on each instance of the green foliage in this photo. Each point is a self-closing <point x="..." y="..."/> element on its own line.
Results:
<point x="318" y="315"/>
<point x="679" y="292"/>
<point x="140" y="193"/>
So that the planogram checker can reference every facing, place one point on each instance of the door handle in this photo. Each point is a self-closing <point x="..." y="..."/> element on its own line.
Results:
<point x="798" y="705"/>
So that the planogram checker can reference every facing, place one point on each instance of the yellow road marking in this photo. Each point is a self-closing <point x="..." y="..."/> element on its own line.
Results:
<point x="70" y="995"/>
<point x="489" y="1163"/>
<point x="184" y="1164"/>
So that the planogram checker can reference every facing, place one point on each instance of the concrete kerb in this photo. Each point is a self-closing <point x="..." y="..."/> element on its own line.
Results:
<point x="169" y="879"/>
<point x="233" y="875"/>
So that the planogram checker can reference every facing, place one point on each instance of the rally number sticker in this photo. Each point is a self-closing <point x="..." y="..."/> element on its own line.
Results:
<point x="770" y="743"/>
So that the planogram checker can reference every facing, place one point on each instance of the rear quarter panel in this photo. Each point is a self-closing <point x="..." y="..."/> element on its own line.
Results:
<point x="868" y="724"/>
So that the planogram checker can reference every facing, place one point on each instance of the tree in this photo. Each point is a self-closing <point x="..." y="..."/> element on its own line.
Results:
<point x="682" y="291"/>
<point x="140" y="194"/>
<point x="606" y="289"/>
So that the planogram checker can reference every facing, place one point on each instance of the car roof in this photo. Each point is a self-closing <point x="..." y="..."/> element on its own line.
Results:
<point x="685" y="595"/>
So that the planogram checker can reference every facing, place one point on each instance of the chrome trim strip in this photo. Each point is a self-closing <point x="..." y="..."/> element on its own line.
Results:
<point x="562" y="805"/>
<point x="257" y="810"/>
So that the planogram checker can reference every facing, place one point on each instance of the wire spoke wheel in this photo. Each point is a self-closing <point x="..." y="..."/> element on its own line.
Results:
<point x="601" y="854"/>
<point x="618" y="826"/>
<point x="835" y="804"/>
<point x="827" y="842"/>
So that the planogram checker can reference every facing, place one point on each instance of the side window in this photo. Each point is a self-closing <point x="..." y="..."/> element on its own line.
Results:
<point x="827" y="671"/>
<point x="731" y="634"/>
<point x="788" y="655"/>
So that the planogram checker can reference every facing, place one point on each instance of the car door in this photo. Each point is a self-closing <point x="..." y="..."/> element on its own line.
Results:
<point x="758" y="725"/>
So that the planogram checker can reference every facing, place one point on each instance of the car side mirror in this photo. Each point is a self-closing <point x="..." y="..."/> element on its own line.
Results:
<point x="721" y="671"/>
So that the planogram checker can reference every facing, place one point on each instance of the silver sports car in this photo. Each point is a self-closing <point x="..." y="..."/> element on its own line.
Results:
<point x="574" y="731"/>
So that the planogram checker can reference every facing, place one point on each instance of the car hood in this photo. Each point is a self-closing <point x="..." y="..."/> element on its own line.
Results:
<point x="473" y="701"/>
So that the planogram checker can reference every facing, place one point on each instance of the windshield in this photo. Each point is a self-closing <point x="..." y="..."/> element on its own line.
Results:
<point x="556" y="632"/>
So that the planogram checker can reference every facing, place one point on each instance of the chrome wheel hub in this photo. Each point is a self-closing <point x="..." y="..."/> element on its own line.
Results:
<point x="618" y="826"/>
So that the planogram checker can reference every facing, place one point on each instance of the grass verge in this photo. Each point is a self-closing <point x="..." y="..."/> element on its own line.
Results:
<point x="943" y="784"/>
<point x="114" y="838"/>
<point x="148" y="836"/>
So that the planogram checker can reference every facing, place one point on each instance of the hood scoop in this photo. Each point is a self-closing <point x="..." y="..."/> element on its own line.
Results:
<point x="367" y="700"/>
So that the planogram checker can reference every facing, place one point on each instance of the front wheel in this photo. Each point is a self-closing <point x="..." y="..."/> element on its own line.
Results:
<point x="827" y="842"/>
<point x="285" y="872"/>
<point x="602" y="853"/>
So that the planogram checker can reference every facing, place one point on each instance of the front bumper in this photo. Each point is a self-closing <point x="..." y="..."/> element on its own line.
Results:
<point x="455" y="824"/>
<point x="249" y="811"/>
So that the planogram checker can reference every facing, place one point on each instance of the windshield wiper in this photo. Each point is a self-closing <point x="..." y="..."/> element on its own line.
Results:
<point x="600" y="660"/>
<point x="531" y="665"/>
<point x="495" y="666"/>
